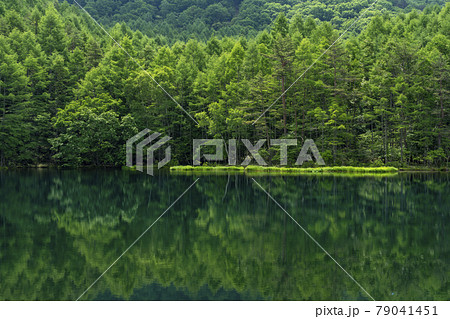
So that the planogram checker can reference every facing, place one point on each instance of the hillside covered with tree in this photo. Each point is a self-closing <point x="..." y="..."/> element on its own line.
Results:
<point x="70" y="96"/>
<point x="186" y="19"/>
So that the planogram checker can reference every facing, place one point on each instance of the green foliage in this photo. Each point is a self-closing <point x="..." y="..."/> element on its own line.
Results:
<point x="70" y="96"/>
<point x="184" y="19"/>
<point x="52" y="35"/>
<point x="88" y="133"/>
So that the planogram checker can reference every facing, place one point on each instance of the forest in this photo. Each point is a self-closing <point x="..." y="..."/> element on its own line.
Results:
<point x="69" y="96"/>
<point x="182" y="19"/>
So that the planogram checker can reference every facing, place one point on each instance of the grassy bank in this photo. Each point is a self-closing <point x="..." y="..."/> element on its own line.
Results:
<point x="334" y="169"/>
<point x="208" y="168"/>
<point x="423" y="169"/>
<point x="286" y="170"/>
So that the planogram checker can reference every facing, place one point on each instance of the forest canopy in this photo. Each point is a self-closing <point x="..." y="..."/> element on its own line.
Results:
<point x="70" y="96"/>
<point x="185" y="19"/>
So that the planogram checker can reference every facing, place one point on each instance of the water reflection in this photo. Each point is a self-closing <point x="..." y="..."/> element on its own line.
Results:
<point x="225" y="239"/>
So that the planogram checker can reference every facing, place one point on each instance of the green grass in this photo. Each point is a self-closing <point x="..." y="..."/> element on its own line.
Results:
<point x="423" y="169"/>
<point x="287" y="170"/>
<point x="334" y="169"/>
<point x="207" y="168"/>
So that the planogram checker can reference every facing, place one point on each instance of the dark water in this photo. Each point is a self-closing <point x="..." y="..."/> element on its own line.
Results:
<point x="225" y="239"/>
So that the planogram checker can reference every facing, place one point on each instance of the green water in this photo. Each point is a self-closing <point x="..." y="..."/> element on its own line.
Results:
<point x="225" y="239"/>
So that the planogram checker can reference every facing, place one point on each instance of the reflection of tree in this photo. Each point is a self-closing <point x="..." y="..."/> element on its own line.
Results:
<point x="60" y="230"/>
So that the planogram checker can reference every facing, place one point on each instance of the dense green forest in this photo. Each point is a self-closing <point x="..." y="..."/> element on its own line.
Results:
<point x="185" y="19"/>
<point x="70" y="96"/>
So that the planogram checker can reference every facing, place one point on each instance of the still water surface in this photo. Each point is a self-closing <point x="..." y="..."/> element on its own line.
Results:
<point x="225" y="239"/>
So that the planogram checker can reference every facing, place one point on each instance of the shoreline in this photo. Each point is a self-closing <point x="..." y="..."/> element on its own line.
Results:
<point x="311" y="170"/>
<point x="253" y="169"/>
<point x="285" y="170"/>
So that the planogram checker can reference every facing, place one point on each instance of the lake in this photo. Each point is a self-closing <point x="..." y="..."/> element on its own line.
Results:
<point x="225" y="239"/>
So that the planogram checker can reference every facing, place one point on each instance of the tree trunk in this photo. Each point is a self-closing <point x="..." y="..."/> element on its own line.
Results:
<point x="441" y="100"/>
<point x="296" y="122"/>
<point x="283" y="80"/>
<point x="303" y="114"/>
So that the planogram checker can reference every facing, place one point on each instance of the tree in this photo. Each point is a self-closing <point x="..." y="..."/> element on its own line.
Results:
<point x="93" y="53"/>
<point x="87" y="133"/>
<point x="52" y="35"/>
<point x="14" y="119"/>
<point x="283" y="55"/>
